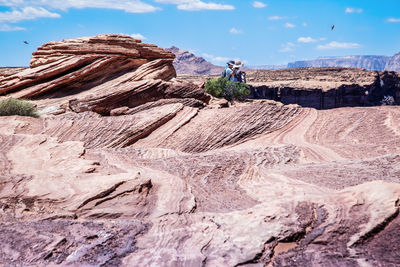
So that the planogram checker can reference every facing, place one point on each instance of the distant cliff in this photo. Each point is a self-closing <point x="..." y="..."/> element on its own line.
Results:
<point x="187" y="63"/>
<point x="393" y="63"/>
<point x="364" y="62"/>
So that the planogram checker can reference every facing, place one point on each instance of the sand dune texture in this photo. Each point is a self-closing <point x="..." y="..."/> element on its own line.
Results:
<point x="128" y="166"/>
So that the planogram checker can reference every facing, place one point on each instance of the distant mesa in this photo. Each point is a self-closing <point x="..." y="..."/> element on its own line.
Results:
<point x="365" y="62"/>
<point x="188" y="63"/>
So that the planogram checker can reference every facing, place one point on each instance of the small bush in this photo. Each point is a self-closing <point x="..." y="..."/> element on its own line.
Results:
<point x="221" y="87"/>
<point x="13" y="106"/>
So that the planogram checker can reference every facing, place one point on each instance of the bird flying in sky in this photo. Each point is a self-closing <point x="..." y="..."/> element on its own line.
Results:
<point x="25" y="42"/>
<point x="333" y="26"/>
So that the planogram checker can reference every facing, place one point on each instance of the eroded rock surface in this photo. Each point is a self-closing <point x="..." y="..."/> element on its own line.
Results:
<point x="325" y="88"/>
<point x="172" y="179"/>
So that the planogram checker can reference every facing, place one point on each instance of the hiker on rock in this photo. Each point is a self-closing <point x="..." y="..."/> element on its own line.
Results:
<point x="232" y="72"/>
<point x="228" y="71"/>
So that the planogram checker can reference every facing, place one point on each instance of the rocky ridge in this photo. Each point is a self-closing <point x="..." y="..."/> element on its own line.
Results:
<point x="378" y="63"/>
<point x="187" y="63"/>
<point x="140" y="168"/>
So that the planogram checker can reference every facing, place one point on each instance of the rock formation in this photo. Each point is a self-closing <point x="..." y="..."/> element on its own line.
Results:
<point x="5" y="72"/>
<point x="393" y="63"/>
<point x="127" y="166"/>
<point x="379" y="63"/>
<point x="187" y="63"/>
<point x="325" y="88"/>
<point x="98" y="73"/>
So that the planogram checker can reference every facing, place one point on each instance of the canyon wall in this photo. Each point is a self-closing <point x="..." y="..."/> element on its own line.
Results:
<point x="325" y="88"/>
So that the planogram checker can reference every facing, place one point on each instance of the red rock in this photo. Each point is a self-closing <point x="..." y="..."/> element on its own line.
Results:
<point x="179" y="179"/>
<point x="74" y="65"/>
<point x="105" y="45"/>
<point x="104" y="98"/>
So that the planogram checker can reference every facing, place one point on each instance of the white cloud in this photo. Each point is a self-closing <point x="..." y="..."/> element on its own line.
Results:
<point x="276" y="18"/>
<point x="289" y="25"/>
<point x="8" y="28"/>
<point x="11" y="2"/>
<point x="26" y="13"/>
<point x="137" y="36"/>
<point x="258" y="4"/>
<point x="196" y="5"/>
<point x="337" y="45"/>
<point x="215" y="59"/>
<point x="393" y="20"/>
<point x="353" y="10"/>
<point x="306" y="40"/>
<point x="288" y="47"/>
<point x="131" y="6"/>
<point x="235" y="31"/>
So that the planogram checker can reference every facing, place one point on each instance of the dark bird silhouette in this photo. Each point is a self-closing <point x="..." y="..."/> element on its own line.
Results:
<point x="25" y="42"/>
<point x="333" y="26"/>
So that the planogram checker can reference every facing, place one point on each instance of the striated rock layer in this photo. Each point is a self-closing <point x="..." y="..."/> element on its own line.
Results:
<point x="325" y="88"/>
<point x="146" y="171"/>
<point x="99" y="74"/>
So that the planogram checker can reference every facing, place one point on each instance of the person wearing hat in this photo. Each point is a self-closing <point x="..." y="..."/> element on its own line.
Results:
<point x="238" y="74"/>
<point x="228" y="71"/>
<point x="231" y="71"/>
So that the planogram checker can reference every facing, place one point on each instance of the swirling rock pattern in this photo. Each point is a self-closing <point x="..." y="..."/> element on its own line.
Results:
<point x="172" y="179"/>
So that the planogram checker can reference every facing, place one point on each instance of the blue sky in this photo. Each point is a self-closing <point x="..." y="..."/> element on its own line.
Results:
<point x="265" y="32"/>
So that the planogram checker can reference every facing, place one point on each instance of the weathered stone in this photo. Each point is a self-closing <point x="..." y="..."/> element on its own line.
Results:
<point x="105" y="44"/>
<point x="74" y="65"/>
<point x="325" y="88"/>
<point x="179" y="179"/>
<point x="106" y="97"/>
<point x="119" y="111"/>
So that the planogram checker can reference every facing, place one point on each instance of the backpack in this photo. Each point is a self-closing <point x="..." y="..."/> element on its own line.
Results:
<point x="223" y="74"/>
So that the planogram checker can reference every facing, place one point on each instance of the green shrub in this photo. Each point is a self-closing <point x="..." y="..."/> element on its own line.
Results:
<point x="13" y="106"/>
<point x="221" y="87"/>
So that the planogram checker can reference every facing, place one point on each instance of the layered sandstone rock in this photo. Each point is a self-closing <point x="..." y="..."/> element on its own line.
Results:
<point x="173" y="179"/>
<point x="99" y="74"/>
<point x="325" y="88"/>
<point x="5" y="72"/>
<point x="104" y="45"/>
<point x="230" y="193"/>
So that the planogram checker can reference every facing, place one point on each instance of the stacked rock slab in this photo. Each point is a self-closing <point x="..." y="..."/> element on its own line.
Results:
<point x="102" y="45"/>
<point x="84" y="68"/>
